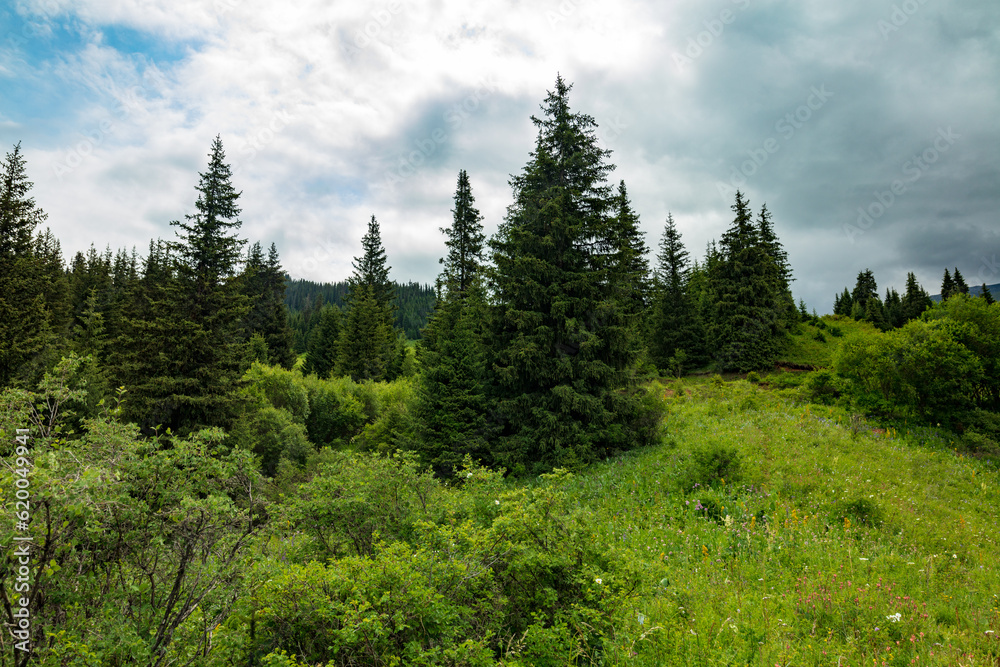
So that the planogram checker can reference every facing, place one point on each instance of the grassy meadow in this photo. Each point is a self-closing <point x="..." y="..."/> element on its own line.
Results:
<point x="770" y="532"/>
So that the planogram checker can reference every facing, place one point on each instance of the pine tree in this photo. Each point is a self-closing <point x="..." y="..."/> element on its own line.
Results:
<point x="875" y="313"/>
<point x="368" y="347"/>
<point x="960" y="286"/>
<point x="893" y="309"/>
<point x="947" y="286"/>
<point x="675" y="322"/>
<point x="744" y="328"/>
<point x="783" y="277"/>
<point x="984" y="292"/>
<point x="915" y="299"/>
<point x="321" y="357"/>
<point x="185" y="373"/>
<point x="465" y="240"/>
<point x="842" y="303"/>
<point x="562" y="348"/>
<point x="864" y="289"/>
<point x="264" y="287"/>
<point x="627" y="253"/>
<point x="24" y="317"/>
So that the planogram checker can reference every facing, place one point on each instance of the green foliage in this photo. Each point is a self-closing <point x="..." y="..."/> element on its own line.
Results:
<point x="675" y="323"/>
<point x="713" y="463"/>
<point x="823" y="386"/>
<point x="563" y="339"/>
<point x="321" y="357"/>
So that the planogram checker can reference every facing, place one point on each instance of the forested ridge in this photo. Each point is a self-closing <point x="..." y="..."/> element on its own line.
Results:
<point x="223" y="465"/>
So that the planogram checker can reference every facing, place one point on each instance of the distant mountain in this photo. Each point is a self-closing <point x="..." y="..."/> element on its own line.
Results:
<point x="974" y="291"/>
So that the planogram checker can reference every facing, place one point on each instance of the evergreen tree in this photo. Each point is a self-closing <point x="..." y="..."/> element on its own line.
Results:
<point x="842" y="303"/>
<point x="875" y="313"/>
<point x="675" y="322"/>
<point x="893" y="309"/>
<point x="465" y="240"/>
<point x="947" y="286"/>
<point x="783" y="277"/>
<point x="744" y="329"/>
<point x="368" y="348"/>
<point x="984" y="293"/>
<point x="627" y="253"/>
<point x="864" y="289"/>
<point x="321" y="357"/>
<point x="264" y="288"/>
<point x="915" y="299"/>
<point x="24" y="317"/>
<point x="959" y="281"/>
<point x="563" y="349"/>
<point x="192" y="315"/>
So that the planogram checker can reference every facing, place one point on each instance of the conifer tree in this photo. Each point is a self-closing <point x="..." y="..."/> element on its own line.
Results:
<point x="321" y="358"/>
<point x="875" y="313"/>
<point x="192" y="315"/>
<point x="675" y="322"/>
<point x="864" y="289"/>
<point x="264" y="288"/>
<point x="893" y="309"/>
<point x="368" y="347"/>
<point x="627" y="253"/>
<point x="744" y="328"/>
<point x="24" y="317"/>
<point x="842" y="303"/>
<point x="959" y="281"/>
<point x="465" y="240"/>
<point x="562" y="349"/>
<point x="984" y="292"/>
<point x="915" y="299"/>
<point x="769" y="241"/>
<point x="947" y="285"/>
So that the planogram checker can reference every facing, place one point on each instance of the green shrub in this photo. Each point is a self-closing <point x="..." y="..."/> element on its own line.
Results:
<point x="754" y="377"/>
<point x="861" y="511"/>
<point x="822" y="386"/>
<point x="713" y="463"/>
<point x="820" y="337"/>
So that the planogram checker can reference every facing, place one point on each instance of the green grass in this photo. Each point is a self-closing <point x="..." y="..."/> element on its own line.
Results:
<point x="827" y="532"/>
<point x="804" y="348"/>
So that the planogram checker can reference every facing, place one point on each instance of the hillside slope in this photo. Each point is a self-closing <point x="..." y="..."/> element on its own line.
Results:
<point x="774" y="534"/>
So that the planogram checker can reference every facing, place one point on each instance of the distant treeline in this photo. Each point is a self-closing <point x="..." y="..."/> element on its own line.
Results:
<point x="305" y="299"/>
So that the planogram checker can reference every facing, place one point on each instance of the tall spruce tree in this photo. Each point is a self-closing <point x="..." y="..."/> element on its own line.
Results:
<point x="744" y="282"/>
<point x="24" y="315"/>
<point x="369" y="347"/>
<point x="865" y="288"/>
<point x="676" y="330"/>
<point x="465" y="240"/>
<point x="984" y="293"/>
<point x="321" y="357"/>
<point x="959" y="280"/>
<point x="771" y="244"/>
<point x="915" y="299"/>
<point x="842" y="303"/>
<point x="893" y="309"/>
<point x="562" y="348"/>
<point x="627" y="252"/>
<point x="264" y="288"/>
<point x="947" y="285"/>
<point x="193" y="315"/>
<point x="451" y="403"/>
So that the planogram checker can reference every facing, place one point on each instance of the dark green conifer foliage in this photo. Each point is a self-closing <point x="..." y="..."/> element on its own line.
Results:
<point x="744" y="279"/>
<point x="842" y="303"/>
<point x="675" y="322"/>
<point x="368" y="348"/>
<point x="627" y="255"/>
<point x="192" y="314"/>
<point x="864" y="289"/>
<point x="984" y="292"/>
<point x="960" y="286"/>
<point x="264" y="288"/>
<point x="321" y="358"/>
<point x="24" y="317"/>
<point x="875" y="313"/>
<point x="465" y="240"/>
<point x="785" y="302"/>
<point x="563" y="349"/>
<point x="947" y="285"/>
<point x="451" y="405"/>
<point x="893" y="309"/>
<point x="915" y="299"/>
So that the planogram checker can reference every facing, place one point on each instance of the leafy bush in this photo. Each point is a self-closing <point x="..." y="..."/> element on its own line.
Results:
<point x="861" y="511"/>
<point x="712" y="463"/>
<point x="822" y="386"/>
<point x="754" y="377"/>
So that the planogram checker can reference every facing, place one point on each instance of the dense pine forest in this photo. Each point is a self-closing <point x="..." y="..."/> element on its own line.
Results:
<point x="579" y="446"/>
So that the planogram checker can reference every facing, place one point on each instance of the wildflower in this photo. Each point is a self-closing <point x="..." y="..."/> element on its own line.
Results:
<point x="954" y="555"/>
<point x="497" y="502"/>
<point x="895" y="617"/>
<point x="468" y="475"/>
<point x="862" y="559"/>
<point x="598" y="580"/>
<point x="642" y="619"/>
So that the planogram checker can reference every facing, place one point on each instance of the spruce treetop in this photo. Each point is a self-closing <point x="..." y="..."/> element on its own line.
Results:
<point x="370" y="270"/>
<point x="673" y="270"/>
<point x="18" y="213"/>
<point x="465" y="240"/>
<point x="208" y="246"/>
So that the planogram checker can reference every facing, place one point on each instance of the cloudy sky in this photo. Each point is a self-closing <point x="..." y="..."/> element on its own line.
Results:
<point x="869" y="127"/>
